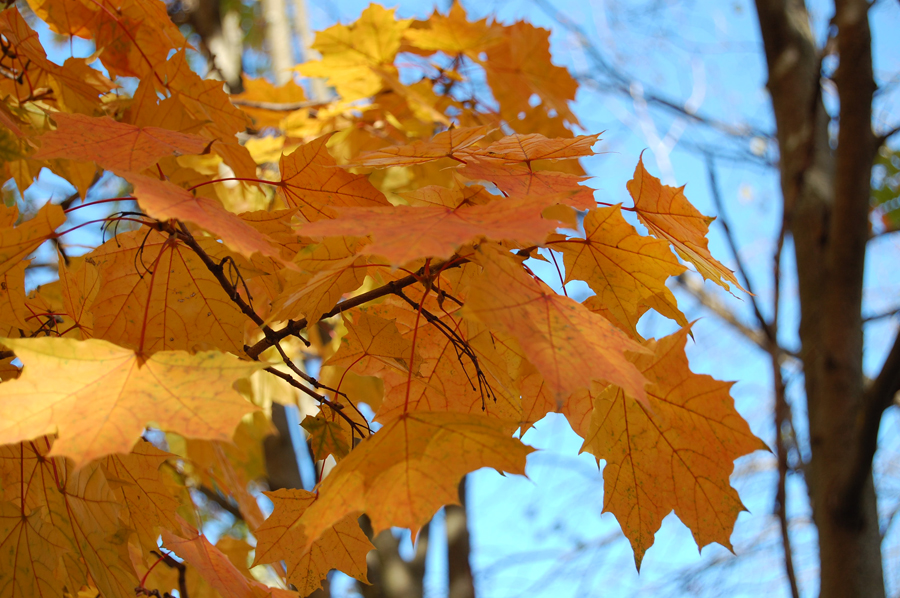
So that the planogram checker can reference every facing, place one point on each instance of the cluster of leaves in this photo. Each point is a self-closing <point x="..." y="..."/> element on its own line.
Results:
<point x="385" y="233"/>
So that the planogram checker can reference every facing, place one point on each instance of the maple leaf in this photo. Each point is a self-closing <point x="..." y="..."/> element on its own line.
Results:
<point x="371" y="345"/>
<point x="79" y="284"/>
<point x="18" y="242"/>
<point x="310" y="180"/>
<point x="351" y="53"/>
<point x="328" y="270"/>
<point x="666" y="212"/>
<point x="163" y="201"/>
<point x="454" y="33"/>
<point x="405" y="233"/>
<point x="326" y="437"/>
<point x="188" y="394"/>
<point x="142" y="492"/>
<point x="570" y="346"/>
<point x="625" y="269"/>
<point x="442" y="145"/>
<point x="56" y="515"/>
<point x="102" y="140"/>
<point x="676" y="451"/>
<point x="534" y="146"/>
<point x="157" y="295"/>
<point x="515" y="179"/>
<point x="343" y="547"/>
<point x="215" y="567"/>
<point x="411" y="467"/>
<point x="521" y="66"/>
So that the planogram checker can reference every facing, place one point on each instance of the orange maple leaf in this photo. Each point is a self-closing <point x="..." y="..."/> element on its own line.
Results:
<point x="442" y="145"/>
<point x="214" y="566"/>
<point x="311" y="180"/>
<point x="676" y="451"/>
<point x="188" y="394"/>
<point x="147" y="503"/>
<point x="156" y="294"/>
<point x="343" y="547"/>
<point x="411" y="467"/>
<point x="626" y="270"/>
<point x="670" y="216"/>
<point x="570" y="346"/>
<point x="405" y="233"/>
<point x="115" y="145"/>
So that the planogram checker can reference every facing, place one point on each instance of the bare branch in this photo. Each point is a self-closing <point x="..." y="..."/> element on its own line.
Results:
<point x="278" y="106"/>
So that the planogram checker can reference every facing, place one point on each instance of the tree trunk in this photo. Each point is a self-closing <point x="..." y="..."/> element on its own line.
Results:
<point x="826" y="206"/>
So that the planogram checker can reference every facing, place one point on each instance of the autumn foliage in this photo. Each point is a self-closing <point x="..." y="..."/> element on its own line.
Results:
<point x="386" y="233"/>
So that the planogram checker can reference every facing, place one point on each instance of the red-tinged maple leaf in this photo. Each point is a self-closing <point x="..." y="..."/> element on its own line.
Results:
<point x="402" y="234"/>
<point x="311" y="180"/>
<point x="442" y="145"/>
<point x="667" y="213"/>
<point x="216" y="569"/>
<point x="570" y="346"/>
<point x="534" y="146"/>
<point x="163" y="201"/>
<point x="114" y="145"/>
<point x="447" y="378"/>
<point x="343" y="547"/>
<point x="157" y="295"/>
<point x="188" y="394"/>
<point x="626" y="270"/>
<point x="203" y="99"/>
<point x="517" y="179"/>
<point x="676" y="451"/>
<point x="16" y="243"/>
<point x="55" y="515"/>
<point x="147" y="502"/>
<point x="412" y="466"/>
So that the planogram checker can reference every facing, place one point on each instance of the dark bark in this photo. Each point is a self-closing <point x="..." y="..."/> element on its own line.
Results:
<point x="826" y="203"/>
<point x="461" y="584"/>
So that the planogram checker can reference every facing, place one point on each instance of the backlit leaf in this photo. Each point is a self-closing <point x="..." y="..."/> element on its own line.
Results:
<point x="676" y="451"/>
<point x="668" y="214"/>
<point x="188" y="394"/>
<point x="102" y="140"/>
<point x="343" y="547"/>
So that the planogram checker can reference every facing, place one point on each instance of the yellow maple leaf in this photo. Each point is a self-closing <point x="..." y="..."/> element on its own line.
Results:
<point x="55" y="515"/>
<point x="351" y="52"/>
<point x="16" y="243"/>
<point x="411" y="467"/>
<point x="676" y="451"/>
<point x="454" y="33"/>
<point x="99" y="397"/>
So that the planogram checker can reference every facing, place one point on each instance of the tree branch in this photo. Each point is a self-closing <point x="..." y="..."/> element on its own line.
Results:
<point x="293" y="327"/>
